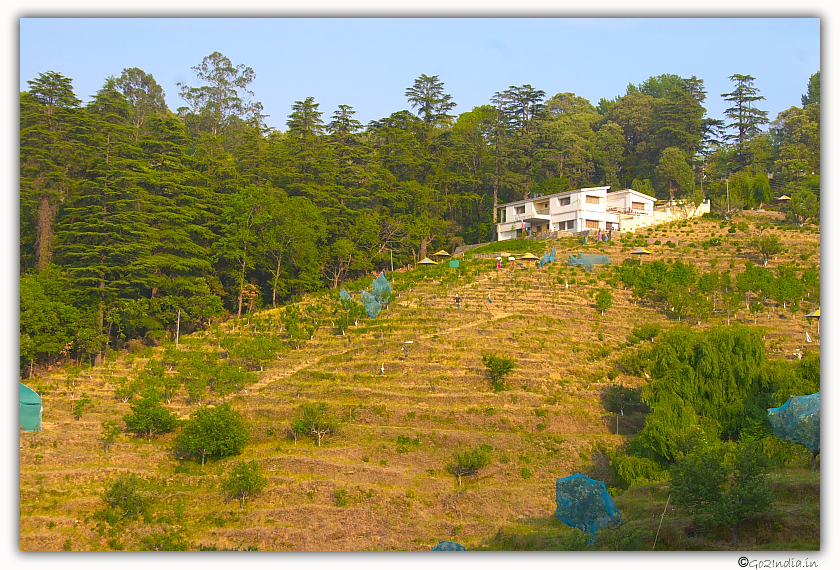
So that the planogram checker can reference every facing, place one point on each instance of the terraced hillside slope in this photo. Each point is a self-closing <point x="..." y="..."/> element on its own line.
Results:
<point x="410" y="390"/>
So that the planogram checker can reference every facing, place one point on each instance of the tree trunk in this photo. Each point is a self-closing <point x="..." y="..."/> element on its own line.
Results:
<point x="274" y="291"/>
<point x="44" y="233"/>
<point x="241" y="287"/>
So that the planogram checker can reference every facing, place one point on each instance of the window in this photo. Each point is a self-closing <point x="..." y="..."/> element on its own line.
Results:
<point x="565" y="201"/>
<point x="502" y="215"/>
<point x="637" y="205"/>
<point x="570" y="225"/>
<point x="520" y="209"/>
<point x="593" y="199"/>
<point x="593" y="224"/>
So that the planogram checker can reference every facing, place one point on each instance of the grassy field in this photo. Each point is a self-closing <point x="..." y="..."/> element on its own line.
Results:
<point x="382" y="482"/>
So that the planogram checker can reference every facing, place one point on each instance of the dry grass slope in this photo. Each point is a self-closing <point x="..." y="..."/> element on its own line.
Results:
<point x="362" y="490"/>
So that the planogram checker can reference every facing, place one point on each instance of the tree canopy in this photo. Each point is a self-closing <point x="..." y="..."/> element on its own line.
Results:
<point x="142" y="212"/>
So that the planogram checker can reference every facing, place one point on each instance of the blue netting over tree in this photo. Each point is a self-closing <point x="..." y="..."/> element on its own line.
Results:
<point x="448" y="545"/>
<point x="588" y="261"/>
<point x="584" y="503"/>
<point x="381" y="288"/>
<point x="346" y="299"/>
<point x="548" y="257"/>
<point x="798" y="421"/>
<point x="371" y="305"/>
<point x="371" y="301"/>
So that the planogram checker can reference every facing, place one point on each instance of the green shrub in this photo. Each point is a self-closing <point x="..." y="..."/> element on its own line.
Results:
<point x="127" y="496"/>
<point x="628" y="470"/>
<point x="469" y="462"/>
<point x="646" y="331"/>
<point x="245" y="480"/>
<point x="315" y="420"/>
<point x="149" y="417"/>
<point x="341" y="498"/>
<point x="498" y="367"/>
<point x="218" y="431"/>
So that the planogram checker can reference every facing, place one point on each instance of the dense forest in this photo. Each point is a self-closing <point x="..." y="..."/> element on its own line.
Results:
<point x="136" y="219"/>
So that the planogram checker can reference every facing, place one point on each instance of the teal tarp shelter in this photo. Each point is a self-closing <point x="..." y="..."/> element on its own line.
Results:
<point x="30" y="409"/>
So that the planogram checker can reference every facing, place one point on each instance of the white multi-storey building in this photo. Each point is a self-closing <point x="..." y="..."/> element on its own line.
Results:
<point x="586" y="209"/>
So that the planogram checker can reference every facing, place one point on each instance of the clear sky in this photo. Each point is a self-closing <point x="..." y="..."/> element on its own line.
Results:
<point x="369" y="62"/>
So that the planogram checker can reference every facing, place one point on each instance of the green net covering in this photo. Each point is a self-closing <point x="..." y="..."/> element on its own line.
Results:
<point x="584" y="503"/>
<point x="588" y="261"/>
<point x="798" y="421"/>
<point x="448" y="545"/>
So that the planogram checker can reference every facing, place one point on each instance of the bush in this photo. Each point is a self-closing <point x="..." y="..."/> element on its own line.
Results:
<point x="169" y="540"/>
<point x="725" y="484"/>
<point x="469" y="462"/>
<point x="148" y="416"/>
<point x="218" y="431"/>
<point x="316" y="421"/>
<point x="498" y="367"/>
<point x="127" y="497"/>
<point x="603" y="300"/>
<point x="245" y="480"/>
<point x="80" y="406"/>
<point x="647" y="331"/>
<point x="628" y="470"/>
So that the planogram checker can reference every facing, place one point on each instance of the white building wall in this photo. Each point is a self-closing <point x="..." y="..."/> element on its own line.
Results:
<point x="615" y="207"/>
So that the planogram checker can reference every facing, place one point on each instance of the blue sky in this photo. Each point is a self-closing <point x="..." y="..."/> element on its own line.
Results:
<point x="369" y="62"/>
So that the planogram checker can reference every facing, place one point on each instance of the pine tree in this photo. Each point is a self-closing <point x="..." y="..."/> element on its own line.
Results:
<point x="104" y="231"/>
<point x="51" y="156"/>
<point x="744" y="117"/>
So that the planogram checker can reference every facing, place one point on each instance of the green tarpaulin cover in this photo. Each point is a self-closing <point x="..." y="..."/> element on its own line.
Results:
<point x="30" y="409"/>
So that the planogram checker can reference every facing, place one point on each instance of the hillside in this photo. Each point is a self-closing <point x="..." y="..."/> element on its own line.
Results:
<point x="382" y="482"/>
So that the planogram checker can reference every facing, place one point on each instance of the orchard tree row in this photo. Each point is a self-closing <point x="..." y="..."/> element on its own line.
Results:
<point x="137" y="220"/>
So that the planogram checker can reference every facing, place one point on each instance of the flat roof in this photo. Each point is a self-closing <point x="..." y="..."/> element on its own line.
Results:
<point x="549" y="196"/>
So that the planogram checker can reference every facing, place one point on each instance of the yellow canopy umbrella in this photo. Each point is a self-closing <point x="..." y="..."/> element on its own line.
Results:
<point x="529" y="258"/>
<point x="640" y="252"/>
<point x="783" y="197"/>
<point x="427" y="261"/>
<point x="441" y="253"/>
<point x="815" y="315"/>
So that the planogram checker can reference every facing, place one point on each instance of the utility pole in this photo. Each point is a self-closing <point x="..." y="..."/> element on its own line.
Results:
<point x="178" y="328"/>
